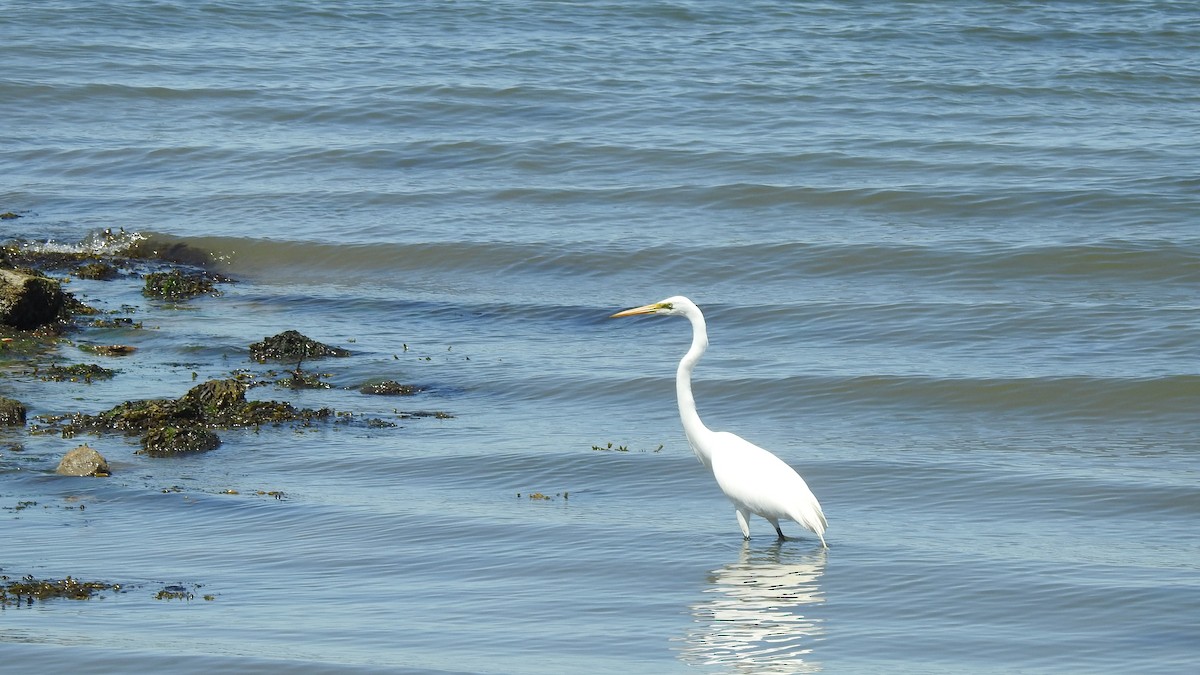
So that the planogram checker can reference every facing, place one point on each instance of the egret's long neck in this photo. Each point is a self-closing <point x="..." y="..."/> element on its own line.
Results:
<point x="692" y="426"/>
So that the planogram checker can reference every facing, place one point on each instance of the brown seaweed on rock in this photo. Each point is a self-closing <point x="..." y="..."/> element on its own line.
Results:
<point x="28" y="589"/>
<point x="291" y="345"/>
<point x="173" y="426"/>
<point x="179" y="285"/>
<point x="391" y="388"/>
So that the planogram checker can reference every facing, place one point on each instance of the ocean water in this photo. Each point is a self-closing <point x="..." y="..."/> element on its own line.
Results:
<point x="950" y="261"/>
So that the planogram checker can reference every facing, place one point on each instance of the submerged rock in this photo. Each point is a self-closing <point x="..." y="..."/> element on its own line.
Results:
<point x="391" y="388"/>
<point x="29" y="300"/>
<point x="291" y="345"/>
<point x="83" y="461"/>
<point x="12" y="412"/>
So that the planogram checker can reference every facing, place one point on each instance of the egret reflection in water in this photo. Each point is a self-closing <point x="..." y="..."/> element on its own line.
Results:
<point x="756" y="614"/>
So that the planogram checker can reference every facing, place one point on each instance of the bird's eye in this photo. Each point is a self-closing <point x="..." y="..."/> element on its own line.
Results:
<point x="666" y="305"/>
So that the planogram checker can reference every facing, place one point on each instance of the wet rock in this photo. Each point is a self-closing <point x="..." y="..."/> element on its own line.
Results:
<point x="12" y="412"/>
<point x="29" y="300"/>
<point x="299" y="379"/>
<point x="101" y="271"/>
<point x="391" y="388"/>
<point x="85" y="372"/>
<point x="9" y="215"/>
<point x="83" y="461"/>
<point x="171" y="426"/>
<point x="109" y="350"/>
<point x="167" y="441"/>
<point x="178" y="285"/>
<point x="215" y="397"/>
<point x="291" y="345"/>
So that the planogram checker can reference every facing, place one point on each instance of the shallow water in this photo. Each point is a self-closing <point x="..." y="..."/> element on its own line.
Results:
<point x="949" y="259"/>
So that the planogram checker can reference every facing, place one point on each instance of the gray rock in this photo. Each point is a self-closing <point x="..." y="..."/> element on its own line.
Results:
<point x="83" y="461"/>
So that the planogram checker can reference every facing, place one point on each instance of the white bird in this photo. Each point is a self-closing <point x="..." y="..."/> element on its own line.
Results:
<point x="755" y="480"/>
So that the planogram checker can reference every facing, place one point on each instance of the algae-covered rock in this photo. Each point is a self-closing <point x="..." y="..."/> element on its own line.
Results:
<point x="29" y="300"/>
<point x="12" y="412"/>
<point x="291" y="345"/>
<point x="215" y="397"/>
<point x="85" y="372"/>
<point x="173" y="426"/>
<point x="83" y="461"/>
<point x="28" y="589"/>
<point x="100" y="270"/>
<point x="178" y="285"/>
<point x="391" y="388"/>
<point x="166" y="441"/>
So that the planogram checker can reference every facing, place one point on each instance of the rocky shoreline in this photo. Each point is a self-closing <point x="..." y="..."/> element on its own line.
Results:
<point x="38" y="316"/>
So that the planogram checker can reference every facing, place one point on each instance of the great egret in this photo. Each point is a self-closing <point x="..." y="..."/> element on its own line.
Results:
<point x="755" y="480"/>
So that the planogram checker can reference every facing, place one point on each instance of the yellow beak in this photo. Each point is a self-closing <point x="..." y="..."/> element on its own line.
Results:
<point x="644" y="309"/>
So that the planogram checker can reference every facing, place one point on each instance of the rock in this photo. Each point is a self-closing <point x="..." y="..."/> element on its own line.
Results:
<point x="182" y="422"/>
<point x="215" y="396"/>
<point x="101" y="271"/>
<point x="290" y="345"/>
<point x="12" y="412"/>
<point x="28" y="300"/>
<point x="177" y="285"/>
<point x="166" y="441"/>
<point x="390" y="388"/>
<point x="83" y="461"/>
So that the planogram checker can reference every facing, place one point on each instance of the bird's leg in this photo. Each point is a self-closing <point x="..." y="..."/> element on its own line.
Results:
<point x="779" y="532"/>
<point x="744" y="522"/>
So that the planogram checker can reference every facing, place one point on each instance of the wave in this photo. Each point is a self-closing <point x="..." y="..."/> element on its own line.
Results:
<point x="1146" y="261"/>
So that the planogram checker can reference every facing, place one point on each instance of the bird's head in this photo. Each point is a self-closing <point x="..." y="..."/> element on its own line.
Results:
<point x="673" y="306"/>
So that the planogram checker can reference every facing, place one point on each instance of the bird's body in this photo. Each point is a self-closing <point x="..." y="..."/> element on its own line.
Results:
<point x="754" y="479"/>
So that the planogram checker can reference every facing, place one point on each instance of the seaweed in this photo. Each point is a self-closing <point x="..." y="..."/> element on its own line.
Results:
<point x="291" y="345"/>
<point x="27" y="589"/>
<point x="179" y="285"/>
